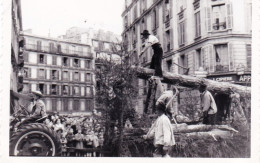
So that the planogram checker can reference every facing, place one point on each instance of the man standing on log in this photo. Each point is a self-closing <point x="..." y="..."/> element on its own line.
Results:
<point x="208" y="105"/>
<point x="152" y="41"/>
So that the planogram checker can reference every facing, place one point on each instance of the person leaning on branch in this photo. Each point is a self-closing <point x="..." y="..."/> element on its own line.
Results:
<point x="208" y="105"/>
<point x="161" y="130"/>
<point x="152" y="41"/>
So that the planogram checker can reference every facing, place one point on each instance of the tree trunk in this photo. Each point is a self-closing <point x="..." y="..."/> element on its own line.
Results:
<point x="195" y="82"/>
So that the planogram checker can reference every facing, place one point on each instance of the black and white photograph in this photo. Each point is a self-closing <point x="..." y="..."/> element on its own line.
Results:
<point x="169" y="79"/>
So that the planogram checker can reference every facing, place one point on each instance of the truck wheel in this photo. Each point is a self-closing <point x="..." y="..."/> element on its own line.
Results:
<point x="35" y="140"/>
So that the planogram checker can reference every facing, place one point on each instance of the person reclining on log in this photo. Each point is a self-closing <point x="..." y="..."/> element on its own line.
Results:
<point x="152" y="41"/>
<point x="161" y="130"/>
<point x="208" y="105"/>
<point x="36" y="109"/>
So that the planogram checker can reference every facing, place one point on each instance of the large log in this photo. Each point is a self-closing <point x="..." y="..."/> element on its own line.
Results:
<point x="195" y="82"/>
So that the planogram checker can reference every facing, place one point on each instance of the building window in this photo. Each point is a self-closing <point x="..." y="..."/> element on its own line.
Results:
<point x="65" y="90"/>
<point x="183" y="61"/>
<point x="26" y="72"/>
<point x="76" y="62"/>
<point x="54" y="104"/>
<point x="126" y="21"/>
<point x="52" y="49"/>
<point x="219" y="17"/>
<point x="76" y="91"/>
<point x="198" y="59"/>
<point x="182" y="33"/>
<point x="248" y="54"/>
<point x="41" y="74"/>
<point x="197" y="24"/>
<point x="76" y="105"/>
<point x="54" y="89"/>
<point x="39" y="45"/>
<point x="65" y="61"/>
<point x="41" y="88"/>
<point x="89" y="105"/>
<point x="54" y="75"/>
<point x="65" y="75"/>
<point x="76" y="76"/>
<point x="88" y="64"/>
<point x="168" y="41"/>
<point x="169" y="65"/>
<point x="222" y="59"/>
<point x="88" y="91"/>
<point x="88" y="77"/>
<point x="167" y="10"/>
<point x="54" y="60"/>
<point x="154" y="19"/>
<point x="59" y="48"/>
<point x="135" y="12"/>
<point x="41" y="58"/>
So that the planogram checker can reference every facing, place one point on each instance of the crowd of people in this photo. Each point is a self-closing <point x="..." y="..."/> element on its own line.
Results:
<point x="77" y="134"/>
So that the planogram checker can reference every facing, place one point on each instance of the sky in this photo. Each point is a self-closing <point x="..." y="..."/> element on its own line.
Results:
<point x="56" y="16"/>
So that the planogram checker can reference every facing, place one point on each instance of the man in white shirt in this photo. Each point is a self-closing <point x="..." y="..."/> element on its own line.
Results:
<point x="208" y="105"/>
<point x="161" y="130"/>
<point x="152" y="41"/>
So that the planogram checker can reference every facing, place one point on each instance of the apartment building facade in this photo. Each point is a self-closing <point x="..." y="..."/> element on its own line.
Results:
<point x="63" y="71"/>
<point x="213" y="36"/>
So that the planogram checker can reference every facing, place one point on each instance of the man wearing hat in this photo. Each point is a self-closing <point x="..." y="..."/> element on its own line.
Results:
<point x="208" y="105"/>
<point x="38" y="108"/>
<point x="152" y="41"/>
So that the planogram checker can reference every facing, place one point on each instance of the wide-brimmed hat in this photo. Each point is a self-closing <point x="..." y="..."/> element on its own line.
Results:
<point x="145" y="32"/>
<point x="38" y="93"/>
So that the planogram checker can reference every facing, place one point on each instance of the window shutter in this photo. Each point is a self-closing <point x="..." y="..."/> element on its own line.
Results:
<point x="73" y="75"/>
<point x="171" y="38"/>
<point x="45" y="89"/>
<point x="229" y="15"/>
<point x="179" y="34"/>
<point x="208" y="19"/>
<point x="204" y="57"/>
<point x="164" y="42"/>
<point x="69" y="75"/>
<point x="54" y="60"/>
<point x="29" y="72"/>
<point x="231" y="57"/>
<point x="58" y="75"/>
<point x="192" y="62"/>
<point x="163" y="8"/>
<point x="30" y="87"/>
<point x="157" y="17"/>
<point x="179" y="62"/>
<point x="79" y="91"/>
<point x="38" y="73"/>
<point x="38" y="58"/>
<point x="195" y="61"/>
<point x="79" y="77"/>
<point x="171" y="5"/>
<point x="211" y="59"/>
<point x="45" y="59"/>
<point x="25" y="56"/>
<point x="91" y="91"/>
<point x="45" y="76"/>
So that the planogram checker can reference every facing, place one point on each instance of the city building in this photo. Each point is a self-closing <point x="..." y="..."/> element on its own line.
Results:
<point x="16" y="47"/>
<point x="17" y="44"/>
<point x="213" y="36"/>
<point x="62" y="70"/>
<point x="105" y="45"/>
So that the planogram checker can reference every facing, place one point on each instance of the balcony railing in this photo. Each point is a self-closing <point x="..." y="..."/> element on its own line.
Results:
<point x="47" y="49"/>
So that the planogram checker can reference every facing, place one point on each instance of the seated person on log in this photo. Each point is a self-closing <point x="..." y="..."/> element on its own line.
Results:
<point x="152" y="41"/>
<point x="208" y="105"/>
